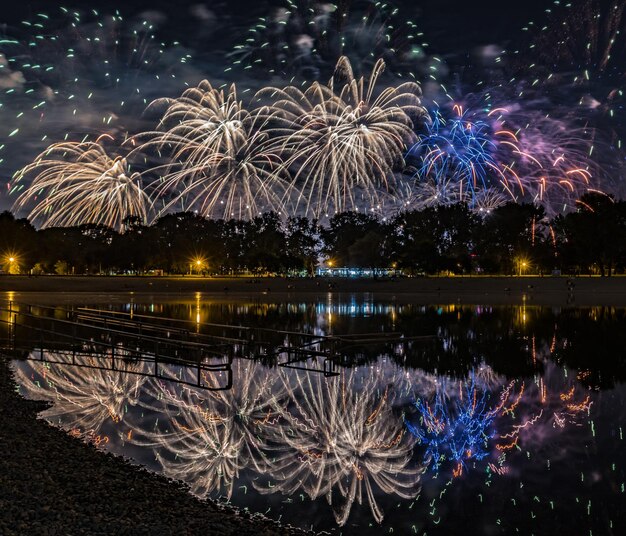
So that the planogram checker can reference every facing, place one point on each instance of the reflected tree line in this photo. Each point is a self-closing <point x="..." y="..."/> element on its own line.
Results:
<point x="458" y="338"/>
<point x="511" y="239"/>
<point x="448" y="339"/>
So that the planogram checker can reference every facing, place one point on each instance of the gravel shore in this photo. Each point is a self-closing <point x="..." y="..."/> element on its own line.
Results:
<point x="53" y="484"/>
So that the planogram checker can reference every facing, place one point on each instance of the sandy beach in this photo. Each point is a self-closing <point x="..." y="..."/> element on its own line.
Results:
<point x="554" y="291"/>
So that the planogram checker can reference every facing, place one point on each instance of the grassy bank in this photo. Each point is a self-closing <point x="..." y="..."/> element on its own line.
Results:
<point x="471" y="290"/>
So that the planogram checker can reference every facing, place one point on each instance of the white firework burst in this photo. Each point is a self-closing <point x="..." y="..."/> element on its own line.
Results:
<point x="219" y="163"/>
<point x="74" y="183"/>
<point x="342" y="140"/>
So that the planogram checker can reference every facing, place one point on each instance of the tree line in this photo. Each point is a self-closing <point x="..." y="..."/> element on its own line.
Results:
<point x="448" y="239"/>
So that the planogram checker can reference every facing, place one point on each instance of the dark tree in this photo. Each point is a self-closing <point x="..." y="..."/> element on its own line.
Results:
<point x="436" y="239"/>
<point x="131" y="248"/>
<point x="177" y="240"/>
<point x="594" y="235"/>
<point x="18" y="241"/>
<point x="355" y="239"/>
<point x="303" y="244"/>
<point x="265" y="247"/>
<point x="512" y="235"/>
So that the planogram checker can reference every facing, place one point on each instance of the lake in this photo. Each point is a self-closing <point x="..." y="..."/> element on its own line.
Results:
<point x="441" y="419"/>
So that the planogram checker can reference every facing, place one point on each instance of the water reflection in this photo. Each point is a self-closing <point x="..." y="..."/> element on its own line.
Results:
<point x="206" y="437"/>
<point x="471" y="420"/>
<point x="476" y="426"/>
<point x="340" y="440"/>
<point x="82" y="399"/>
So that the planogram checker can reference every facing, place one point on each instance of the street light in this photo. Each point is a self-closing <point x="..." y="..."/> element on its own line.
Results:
<point x="522" y="267"/>
<point x="12" y="262"/>
<point x="196" y="263"/>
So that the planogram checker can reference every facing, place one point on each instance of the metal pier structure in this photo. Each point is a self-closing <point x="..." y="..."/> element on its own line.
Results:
<point x="170" y="348"/>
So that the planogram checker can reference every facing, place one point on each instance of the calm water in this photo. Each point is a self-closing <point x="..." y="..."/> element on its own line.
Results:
<point x="509" y="420"/>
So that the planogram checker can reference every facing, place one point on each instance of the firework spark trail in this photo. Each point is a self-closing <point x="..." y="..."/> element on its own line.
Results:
<point x="303" y="40"/>
<point x="342" y="139"/>
<point x="207" y="436"/>
<point x="551" y="159"/>
<point x="83" y="399"/>
<point x="587" y="37"/>
<point x="76" y="183"/>
<point x="574" y="56"/>
<point x="69" y="71"/>
<point x="340" y="439"/>
<point x="207" y="119"/>
<point x="220" y="163"/>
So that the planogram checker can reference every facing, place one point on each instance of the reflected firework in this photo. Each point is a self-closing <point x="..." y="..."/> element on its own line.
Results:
<point x="470" y="422"/>
<point x="340" y="439"/>
<point x="209" y="436"/>
<point x="83" y="398"/>
<point x="456" y="432"/>
<point x="514" y="412"/>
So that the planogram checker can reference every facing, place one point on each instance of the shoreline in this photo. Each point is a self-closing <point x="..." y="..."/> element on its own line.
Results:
<point x="55" y="484"/>
<point x="468" y="290"/>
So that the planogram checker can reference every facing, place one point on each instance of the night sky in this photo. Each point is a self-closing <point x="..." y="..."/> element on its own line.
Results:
<point x="62" y="77"/>
<point x="451" y="25"/>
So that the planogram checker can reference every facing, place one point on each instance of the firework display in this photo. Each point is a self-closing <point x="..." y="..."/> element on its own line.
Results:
<point x="342" y="123"/>
<point x="77" y="183"/>
<point x="303" y="39"/>
<point x="457" y="157"/>
<point x="67" y="74"/>
<point x="344" y="139"/>
<point x="351" y="442"/>
<point x="242" y="171"/>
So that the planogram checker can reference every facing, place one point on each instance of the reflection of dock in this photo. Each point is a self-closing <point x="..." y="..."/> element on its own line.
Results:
<point x="74" y="340"/>
<point x="143" y="364"/>
<point x="343" y="350"/>
<point x="172" y="347"/>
